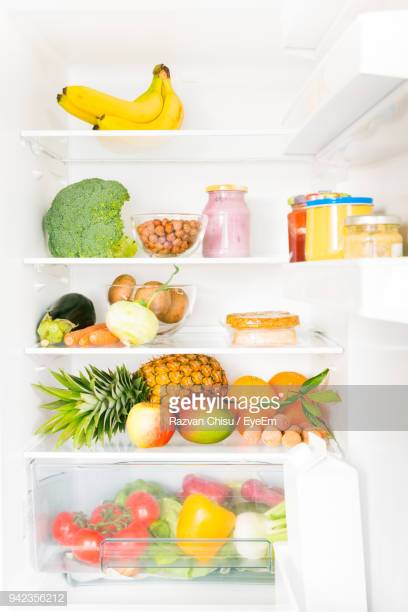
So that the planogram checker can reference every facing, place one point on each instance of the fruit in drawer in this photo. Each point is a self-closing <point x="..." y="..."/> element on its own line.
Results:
<point x="66" y="524"/>
<point x="86" y="546"/>
<point x="143" y="507"/>
<point x="203" y="519"/>
<point x="132" y="547"/>
<point x="147" y="425"/>
<point x="256" y="491"/>
<point x="86" y="103"/>
<point x="115" y="392"/>
<point x="210" y="488"/>
<point x="108" y="518"/>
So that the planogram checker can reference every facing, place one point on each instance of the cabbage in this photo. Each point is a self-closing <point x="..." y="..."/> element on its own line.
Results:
<point x="132" y="322"/>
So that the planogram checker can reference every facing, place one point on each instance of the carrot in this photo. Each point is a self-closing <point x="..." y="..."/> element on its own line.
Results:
<point x="74" y="337"/>
<point x="103" y="337"/>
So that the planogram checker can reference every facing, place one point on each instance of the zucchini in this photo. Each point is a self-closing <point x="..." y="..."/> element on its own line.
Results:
<point x="71" y="311"/>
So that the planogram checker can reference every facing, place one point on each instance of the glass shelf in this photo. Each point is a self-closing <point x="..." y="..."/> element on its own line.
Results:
<point x="161" y="146"/>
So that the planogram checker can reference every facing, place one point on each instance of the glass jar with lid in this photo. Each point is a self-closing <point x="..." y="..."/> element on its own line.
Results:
<point x="228" y="228"/>
<point x="372" y="236"/>
<point x="325" y="224"/>
<point x="297" y="228"/>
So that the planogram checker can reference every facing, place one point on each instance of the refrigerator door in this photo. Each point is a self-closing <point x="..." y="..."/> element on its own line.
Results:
<point x="325" y="531"/>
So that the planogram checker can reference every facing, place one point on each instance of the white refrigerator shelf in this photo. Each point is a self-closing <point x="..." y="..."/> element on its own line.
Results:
<point x="156" y="261"/>
<point x="177" y="450"/>
<point x="161" y="145"/>
<point x="203" y="340"/>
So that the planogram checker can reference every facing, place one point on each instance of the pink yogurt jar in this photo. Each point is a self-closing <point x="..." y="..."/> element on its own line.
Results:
<point x="228" y="228"/>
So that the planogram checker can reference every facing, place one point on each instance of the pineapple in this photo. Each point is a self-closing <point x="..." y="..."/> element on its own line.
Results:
<point x="188" y="370"/>
<point x="94" y="405"/>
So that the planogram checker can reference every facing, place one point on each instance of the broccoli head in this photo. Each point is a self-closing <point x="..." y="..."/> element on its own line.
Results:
<point x="85" y="221"/>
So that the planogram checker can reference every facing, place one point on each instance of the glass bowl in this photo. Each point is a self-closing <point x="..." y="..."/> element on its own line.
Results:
<point x="169" y="235"/>
<point x="171" y="306"/>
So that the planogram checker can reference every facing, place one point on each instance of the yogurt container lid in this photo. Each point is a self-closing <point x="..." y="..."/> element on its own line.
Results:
<point x="345" y="200"/>
<point x="372" y="220"/>
<point x="320" y="195"/>
<point x="226" y="187"/>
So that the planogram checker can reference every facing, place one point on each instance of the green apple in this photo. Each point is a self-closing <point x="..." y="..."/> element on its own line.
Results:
<point x="204" y="428"/>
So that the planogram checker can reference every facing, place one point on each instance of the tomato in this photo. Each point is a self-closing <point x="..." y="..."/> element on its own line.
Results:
<point x="122" y="551"/>
<point x="86" y="546"/>
<point x="108" y="518"/>
<point x="144" y="507"/>
<point x="66" y="524"/>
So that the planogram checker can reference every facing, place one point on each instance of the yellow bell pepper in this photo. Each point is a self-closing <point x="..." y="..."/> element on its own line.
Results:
<point x="202" y="518"/>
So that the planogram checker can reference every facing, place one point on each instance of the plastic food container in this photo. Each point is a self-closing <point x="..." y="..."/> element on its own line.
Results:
<point x="325" y="225"/>
<point x="172" y="307"/>
<point x="297" y="228"/>
<point x="372" y="236"/>
<point x="169" y="235"/>
<point x="228" y="229"/>
<point x="262" y="329"/>
<point x="58" y="486"/>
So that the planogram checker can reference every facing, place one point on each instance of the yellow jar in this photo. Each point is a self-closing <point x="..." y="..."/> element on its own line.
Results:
<point x="372" y="236"/>
<point x="325" y="221"/>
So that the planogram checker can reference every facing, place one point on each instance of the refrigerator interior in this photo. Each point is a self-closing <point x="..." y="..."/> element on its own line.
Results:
<point x="247" y="79"/>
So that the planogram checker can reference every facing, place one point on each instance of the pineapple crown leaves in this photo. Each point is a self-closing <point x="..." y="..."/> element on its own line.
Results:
<point x="92" y="406"/>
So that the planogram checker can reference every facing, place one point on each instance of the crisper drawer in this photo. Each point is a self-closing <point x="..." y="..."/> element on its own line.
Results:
<point x="133" y="521"/>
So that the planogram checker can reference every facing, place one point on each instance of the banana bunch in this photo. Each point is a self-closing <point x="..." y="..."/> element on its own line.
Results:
<point x="158" y="108"/>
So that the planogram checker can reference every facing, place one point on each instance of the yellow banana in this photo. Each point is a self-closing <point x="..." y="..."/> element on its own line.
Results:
<point x="170" y="118"/>
<point x="145" y="108"/>
<point x="67" y="105"/>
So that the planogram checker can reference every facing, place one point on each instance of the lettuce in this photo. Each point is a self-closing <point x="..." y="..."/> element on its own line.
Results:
<point x="139" y="485"/>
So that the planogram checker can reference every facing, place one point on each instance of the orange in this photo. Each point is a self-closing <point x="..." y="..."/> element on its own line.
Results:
<point x="250" y="437"/>
<point x="291" y="382"/>
<point x="243" y="381"/>
<point x="287" y="378"/>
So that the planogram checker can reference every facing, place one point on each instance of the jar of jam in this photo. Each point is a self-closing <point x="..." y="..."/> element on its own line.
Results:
<point x="228" y="228"/>
<point x="297" y="228"/>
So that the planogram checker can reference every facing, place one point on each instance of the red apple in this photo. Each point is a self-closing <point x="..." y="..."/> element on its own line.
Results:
<point x="147" y="426"/>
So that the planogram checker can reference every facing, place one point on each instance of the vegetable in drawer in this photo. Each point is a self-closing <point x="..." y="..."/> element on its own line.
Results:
<point x="202" y="518"/>
<point x="147" y="528"/>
